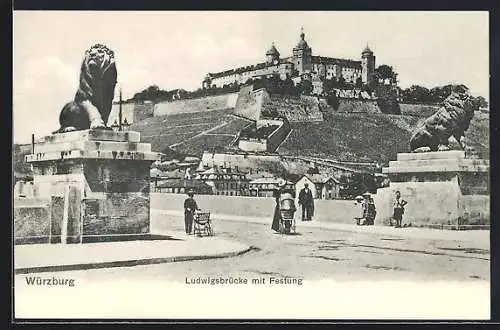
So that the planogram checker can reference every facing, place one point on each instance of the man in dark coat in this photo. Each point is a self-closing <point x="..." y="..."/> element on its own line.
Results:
<point x="306" y="200"/>
<point x="190" y="207"/>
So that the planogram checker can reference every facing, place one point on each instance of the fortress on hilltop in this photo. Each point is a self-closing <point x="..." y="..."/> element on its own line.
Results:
<point x="301" y="64"/>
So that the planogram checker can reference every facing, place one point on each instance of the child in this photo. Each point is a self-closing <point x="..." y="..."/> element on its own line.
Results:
<point x="399" y="209"/>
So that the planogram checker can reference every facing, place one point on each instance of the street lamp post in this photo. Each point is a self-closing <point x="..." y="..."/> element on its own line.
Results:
<point x="120" y="112"/>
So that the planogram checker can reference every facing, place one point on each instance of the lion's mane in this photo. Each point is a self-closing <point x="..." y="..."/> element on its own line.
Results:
<point x="452" y="119"/>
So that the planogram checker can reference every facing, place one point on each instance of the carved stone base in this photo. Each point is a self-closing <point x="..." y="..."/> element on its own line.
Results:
<point x="94" y="182"/>
<point x="442" y="188"/>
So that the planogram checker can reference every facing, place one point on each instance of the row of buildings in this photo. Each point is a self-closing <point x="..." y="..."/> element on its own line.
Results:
<point x="231" y="182"/>
<point x="301" y="64"/>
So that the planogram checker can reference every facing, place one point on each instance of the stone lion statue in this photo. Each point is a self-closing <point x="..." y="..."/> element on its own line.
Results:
<point x="452" y="119"/>
<point x="93" y="100"/>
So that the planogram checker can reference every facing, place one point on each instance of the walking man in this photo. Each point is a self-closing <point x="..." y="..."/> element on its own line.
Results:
<point x="190" y="207"/>
<point x="399" y="209"/>
<point x="306" y="200"/>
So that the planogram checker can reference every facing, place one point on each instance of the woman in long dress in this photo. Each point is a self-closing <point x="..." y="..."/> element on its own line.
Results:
<point x="277" y="214"/>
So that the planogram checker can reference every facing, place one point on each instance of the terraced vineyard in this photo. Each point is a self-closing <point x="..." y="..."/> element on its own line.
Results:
<point x="190" y="132"/>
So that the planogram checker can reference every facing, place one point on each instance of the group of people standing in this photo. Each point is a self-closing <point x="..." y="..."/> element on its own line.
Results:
<point x="306" y="201"/>
<point x="369" y="210"/>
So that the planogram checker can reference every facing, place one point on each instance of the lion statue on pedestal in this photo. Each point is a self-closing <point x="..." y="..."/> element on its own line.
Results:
<point x="93" y="100"/>
<point x="452" y="119"/>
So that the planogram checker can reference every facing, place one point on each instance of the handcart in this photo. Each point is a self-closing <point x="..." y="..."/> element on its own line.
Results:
<point x="287" y="213"/>
<point x="202" y="224"/>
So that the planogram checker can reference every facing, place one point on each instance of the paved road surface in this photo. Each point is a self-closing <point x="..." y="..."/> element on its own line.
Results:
<point x="316" y="253"/>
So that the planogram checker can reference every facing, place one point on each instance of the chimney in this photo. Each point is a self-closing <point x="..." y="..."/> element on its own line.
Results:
<point x="32" y="143"/>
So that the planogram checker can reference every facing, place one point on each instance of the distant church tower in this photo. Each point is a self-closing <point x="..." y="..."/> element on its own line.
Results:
<point x="272" y="55"/>
<point x="367" y="66"/>
<point x="302" y="55"/>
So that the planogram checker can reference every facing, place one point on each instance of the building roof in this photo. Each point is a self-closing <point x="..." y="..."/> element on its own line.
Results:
<point x="320" y="178"/>
<point x="302" y="42"/>
<point x="189" y="159"/>
<point x="177" y="173"/>
<point x="268" y="181"/>
<point x="273" y="51"/>
<point x="259" y="175"/>
<point x="219" y="171"/>
<point x="338" y="61"/>
<point x="367" y="50"/>
<point x="181" y="183"/>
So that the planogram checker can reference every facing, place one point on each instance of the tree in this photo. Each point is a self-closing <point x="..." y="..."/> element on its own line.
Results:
<point x="359" y="82"/>
<point x="357" y="184"/>
<point x="289" y="86"/>
<point x="333" y="101"/>
<point x="417" y="94"/>
<point x="387" y="99"/>
<point x="385" y="73"/>
<point x="305" y="87"/>
<point x="482" y="102"/>
<point x="312" y="170"/>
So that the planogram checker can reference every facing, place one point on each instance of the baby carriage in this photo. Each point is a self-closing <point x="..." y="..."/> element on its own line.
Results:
<point x="202" y="224"/>
<point x="287" y="212"/>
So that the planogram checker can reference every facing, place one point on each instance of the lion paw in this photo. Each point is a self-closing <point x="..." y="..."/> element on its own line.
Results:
<point x="97" y="124"/>
<point x="443" y="147"/>
<point x="68" y="129"/>
<point x="422" y="149"/>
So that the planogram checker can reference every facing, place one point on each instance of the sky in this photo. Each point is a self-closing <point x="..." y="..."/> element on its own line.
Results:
<point x="176" y="49"/>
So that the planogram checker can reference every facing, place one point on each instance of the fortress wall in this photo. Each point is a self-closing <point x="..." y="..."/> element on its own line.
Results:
<point x="202" y="104"/>
<point x="143" y="111"/>
<point x="295" y="109"/>
<point x="353" y="106"/>
<point x="243" y="161"/>
<point x="420" y="110"/>
<point x="249" y="102"/>
<point x="128" y="112"/>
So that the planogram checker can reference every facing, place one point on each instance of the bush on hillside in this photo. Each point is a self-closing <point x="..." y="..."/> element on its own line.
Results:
<point x="333" y="101"/>
<point x="387" y="99"/>
<point x="356" y="185"/>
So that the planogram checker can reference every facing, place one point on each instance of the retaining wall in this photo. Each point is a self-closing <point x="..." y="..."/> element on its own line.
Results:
<point x="207" y="103"/>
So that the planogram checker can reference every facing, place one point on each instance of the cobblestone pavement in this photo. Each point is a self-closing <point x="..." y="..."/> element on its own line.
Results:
<point x="316" y="253"/>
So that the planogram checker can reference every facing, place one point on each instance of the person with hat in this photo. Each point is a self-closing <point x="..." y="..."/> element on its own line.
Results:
<point x="277" y="214"/>
<point x="190" y="207"/>
<point x="369" y="210"/>
<point x="306" y="200"/>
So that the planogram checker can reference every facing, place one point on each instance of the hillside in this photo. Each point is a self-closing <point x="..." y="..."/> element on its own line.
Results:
<point x="367" y="137"/>
<point x="191" y="132"/>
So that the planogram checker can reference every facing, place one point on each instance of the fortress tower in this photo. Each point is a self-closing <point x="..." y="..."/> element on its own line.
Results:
<point x="302" y="55"/>
<point x="207" y="81"/>
<point x="272" y="55"/>
<point x="367" y="65"/>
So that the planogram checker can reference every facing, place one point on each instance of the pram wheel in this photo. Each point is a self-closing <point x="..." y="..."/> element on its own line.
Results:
<point x="287" y="226"/>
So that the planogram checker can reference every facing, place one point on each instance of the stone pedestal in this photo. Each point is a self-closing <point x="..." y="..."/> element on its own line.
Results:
<point x="96" y="182"/>
<point x="443" y="189"/>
